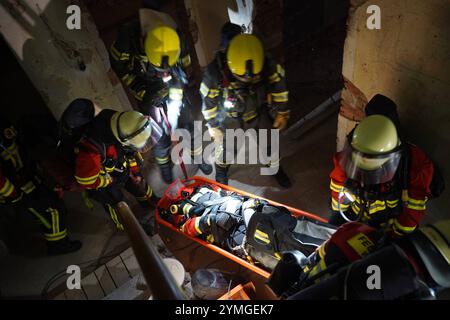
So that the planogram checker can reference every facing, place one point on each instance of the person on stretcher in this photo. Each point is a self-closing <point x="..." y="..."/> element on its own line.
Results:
<point x="214" y="214"/>
<point x="249" y="227"/>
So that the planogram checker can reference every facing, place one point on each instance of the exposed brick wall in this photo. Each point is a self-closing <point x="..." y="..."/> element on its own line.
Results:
<point x="356" y="3"/>
<point x="353" y="102"/>
<point x="110" y="15"/>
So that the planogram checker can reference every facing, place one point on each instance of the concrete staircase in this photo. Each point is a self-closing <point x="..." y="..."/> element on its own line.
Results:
<point x="119" y="279"/>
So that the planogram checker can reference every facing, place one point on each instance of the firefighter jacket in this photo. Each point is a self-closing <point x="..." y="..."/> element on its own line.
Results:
<point x="100" y="160"/>
<point x="352" y="244"/>
<point x="349" y="243"/>
<point x="146" y="83"/>
<point x="16" y="176"/>
<point x="219" y="86"/>
<point x="402" y="206"/>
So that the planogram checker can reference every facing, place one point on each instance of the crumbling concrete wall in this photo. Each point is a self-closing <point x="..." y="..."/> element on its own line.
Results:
<point x="407" y="60"/>
<point x="63" y="64"/>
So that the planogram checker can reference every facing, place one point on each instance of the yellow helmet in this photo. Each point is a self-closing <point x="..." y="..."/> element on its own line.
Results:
<point x="162" y="47"/>
<point x="375" y="135"/>
<point x="132" y="129"/>
<point x="374" y="151"/>
<point x="245" y="56"/>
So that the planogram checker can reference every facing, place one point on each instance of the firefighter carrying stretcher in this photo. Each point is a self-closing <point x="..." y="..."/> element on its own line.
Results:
<point x="150" y="57"/>
<point x="413" y="267"/>
<point x="22" y="188"/>
<point x="235" y="91"/>
<point x="380" y="179"/>
<point x="108" y="159"/>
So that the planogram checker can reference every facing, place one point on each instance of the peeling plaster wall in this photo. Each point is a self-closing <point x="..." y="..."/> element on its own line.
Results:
<point x="407" y="60"/>
<point x="53" y="56"/>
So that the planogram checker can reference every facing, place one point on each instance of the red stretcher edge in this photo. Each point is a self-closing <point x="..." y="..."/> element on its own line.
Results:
<point x="242" y="262"/>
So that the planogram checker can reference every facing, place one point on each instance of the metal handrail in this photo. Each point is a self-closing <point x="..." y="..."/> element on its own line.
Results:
<point x="158" y="277"/>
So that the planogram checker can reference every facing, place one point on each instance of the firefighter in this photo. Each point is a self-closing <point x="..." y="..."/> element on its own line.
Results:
<point x="415" y="266"/>
<point x="235" y="88"/>
<point x="21" y="188"/>
<point x="151" y="59"/>
<point x="380" y="180"/>
<point x="108" y="159"/>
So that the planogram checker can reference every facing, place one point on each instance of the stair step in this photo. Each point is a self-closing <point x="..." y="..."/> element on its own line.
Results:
<point x="128" y="291"/>
<point x="118" y="279"/>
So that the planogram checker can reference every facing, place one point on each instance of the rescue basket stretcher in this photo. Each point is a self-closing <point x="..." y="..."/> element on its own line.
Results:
<point x="167" y="200"/>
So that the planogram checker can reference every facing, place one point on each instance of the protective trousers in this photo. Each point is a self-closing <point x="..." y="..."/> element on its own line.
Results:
<point x="48" y="210"/>
<point x="110" y="196"/>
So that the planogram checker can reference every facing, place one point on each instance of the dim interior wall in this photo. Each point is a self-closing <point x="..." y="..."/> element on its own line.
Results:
<point x="408" y="61"/>
<point x="314" y="33"/>
<point x="208" y="17"/>
<point x="62" y="64"/>
<point x="268" y="25"/>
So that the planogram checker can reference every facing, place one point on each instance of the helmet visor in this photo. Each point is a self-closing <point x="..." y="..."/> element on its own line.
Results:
<point x="370" y="169"/>
<point x="145" y="138"/>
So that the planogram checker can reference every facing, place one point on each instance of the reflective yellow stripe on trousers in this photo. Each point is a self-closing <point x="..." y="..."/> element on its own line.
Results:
<point x="113" y="214"/>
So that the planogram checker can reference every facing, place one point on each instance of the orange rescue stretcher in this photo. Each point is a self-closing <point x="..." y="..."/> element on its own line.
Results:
<point x="166" y="201"/>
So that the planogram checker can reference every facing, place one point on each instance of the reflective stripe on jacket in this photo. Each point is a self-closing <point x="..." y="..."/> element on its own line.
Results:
<point x="215" y="90"/>
<point x="411" y="202"/>
<point x="131" y="65"/>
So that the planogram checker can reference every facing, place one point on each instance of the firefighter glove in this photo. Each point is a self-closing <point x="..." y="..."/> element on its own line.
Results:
<point x="281" y="120"/>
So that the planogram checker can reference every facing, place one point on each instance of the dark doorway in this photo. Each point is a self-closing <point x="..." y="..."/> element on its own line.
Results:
<point x="314" y="33"/>
<point x="19" y="97"/>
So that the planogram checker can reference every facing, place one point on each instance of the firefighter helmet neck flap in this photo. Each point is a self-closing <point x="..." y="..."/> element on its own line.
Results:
<point x="134" y="130"/>
<point x="75" y="118"/>
<point x="373" y="152"/>
<point x="163" y="47"/>
<point x="245" y="57"/>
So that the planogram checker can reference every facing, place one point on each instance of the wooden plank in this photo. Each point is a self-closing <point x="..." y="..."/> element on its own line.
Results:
<point x="127" y="253"/>
<point x="92" y="287"/>
<point x="128" y="291"/>
<point x="132" y="265"/>
<point x="60" y="296"/>
<point x="75" y="294"/>
<point x="118" y="271"/>
<point x="105" y="280"/>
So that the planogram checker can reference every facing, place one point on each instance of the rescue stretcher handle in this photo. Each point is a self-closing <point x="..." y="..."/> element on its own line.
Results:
<point x="158" y="277"/>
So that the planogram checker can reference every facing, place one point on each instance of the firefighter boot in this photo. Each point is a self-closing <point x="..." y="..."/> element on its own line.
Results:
<point x="154" y="199"/>
<point x="166" y="173"/>
<point x="222" y="174"/>
<point x="282" y="179"/>
<point x="63" y="246"/>
<point x="148" y="224"/>
<point x="151" y="202"/>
